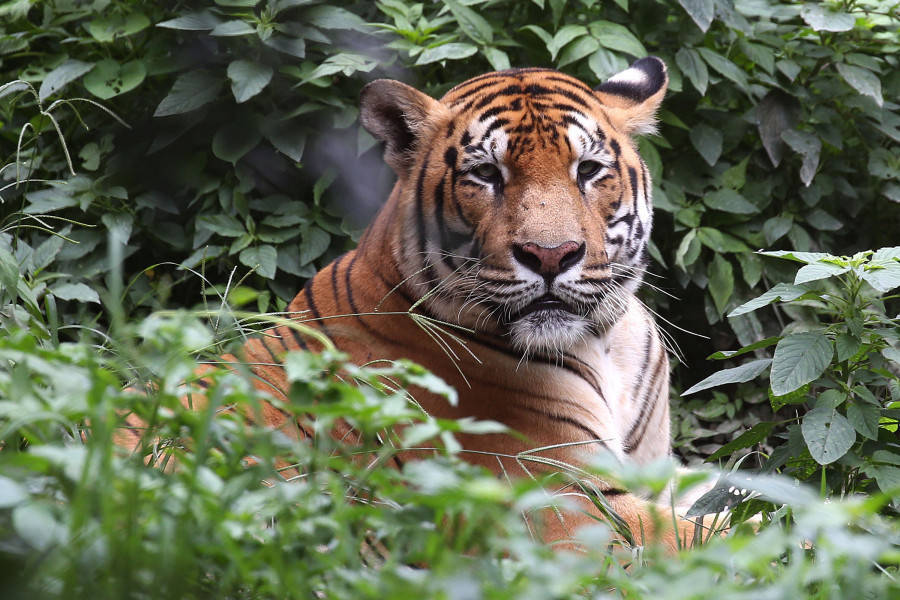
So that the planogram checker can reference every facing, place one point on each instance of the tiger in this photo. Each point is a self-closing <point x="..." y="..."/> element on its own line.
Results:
<point x="520" y="216"/>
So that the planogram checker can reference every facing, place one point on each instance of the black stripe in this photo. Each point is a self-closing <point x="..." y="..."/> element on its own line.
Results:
<point x="590" y="433"/>
<point x="430" y="274"/>
<point x="650" y="403"/>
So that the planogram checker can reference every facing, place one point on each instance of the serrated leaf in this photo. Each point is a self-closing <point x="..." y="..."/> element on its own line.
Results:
<point x="451" y="51"/>
<point x="863" y="81"/>
<point x="821" y="18"/>
<point x="799" y="358"/>
<point x="708" y="142"/>
<point x="109" y="79"/>
<point x="827" y="433"/>
<point x="74" y="291"/>
<point x="264" y="258"/>
<point x="62" y="75"/>
<point x="224" y="225"/>
<point x="701" y="11"/>
<point x="189" y="92"/>
<point x="692" y="65"/>
<point x="746" y="372"/>
<point x="248" y="78"/>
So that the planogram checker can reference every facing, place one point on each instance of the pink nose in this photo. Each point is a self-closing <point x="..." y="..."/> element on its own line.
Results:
<point x="549" y="261"/>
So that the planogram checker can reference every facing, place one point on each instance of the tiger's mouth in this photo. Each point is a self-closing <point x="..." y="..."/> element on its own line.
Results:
<point x="545" y="303"/>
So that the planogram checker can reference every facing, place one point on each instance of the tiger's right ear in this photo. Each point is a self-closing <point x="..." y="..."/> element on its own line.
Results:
<point x="400" y="116"/>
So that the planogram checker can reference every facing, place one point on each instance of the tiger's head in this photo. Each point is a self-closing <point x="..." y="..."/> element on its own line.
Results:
<point x="522" y="207"/>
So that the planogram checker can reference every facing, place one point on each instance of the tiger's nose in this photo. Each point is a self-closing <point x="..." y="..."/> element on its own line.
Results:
<point x="549" y="261"/>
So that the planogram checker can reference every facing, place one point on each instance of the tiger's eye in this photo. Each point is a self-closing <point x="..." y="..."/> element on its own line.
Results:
<point x="487" y="172"/>
<point x="588" y="168"/>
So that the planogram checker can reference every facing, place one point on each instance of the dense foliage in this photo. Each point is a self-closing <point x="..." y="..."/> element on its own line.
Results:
<point x="206" y="155"/>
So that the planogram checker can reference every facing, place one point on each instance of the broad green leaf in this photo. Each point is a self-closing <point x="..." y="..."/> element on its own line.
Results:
<point x="708" y="142"/>
<point x="577" y="50"/>
<point x="887" y="478"/>
<point x="235" y="139"/>
<point x="264" y="258"/>
<point x="720" y="242"/>
<point x="238" y="3"/>
<point x="196" y="21"/>
<point x="333" y="17"/>
<point x="828" y="434"/>
<point x="617" y="37"/>
<point x="882" y="271"/>
<point x="751" y="267"/>
<point x="472" y="24"/>
<point x="847" y="345"/>
<point x="604" y="64"/>
<point x="803" y="257"/>
<point x="728" y="200"/>
<point x="776" y="228"/>
<point x="224" y="225"/>
<point x="11" y="492"/>
<point x="539" y="31"/>
<point x="498" y="59"/>
<point x="864" y="417"/>
<point x="799" y="358"/>
<point x="701" y="11"/>
<point x="565" y="35"/>
<point x="776" y="113"/>
<point x="817" y="271"/>
<point x="822" y="221"/>
<point x="798" y="396"/>
<point x="74" y="291"/>
<point x="688" y="250"/>
<point x="108" y="78"/>
<point x="692" y="65"/>
<point x="736" y="176"/>
<point x="745" y="372"/>
<point x="288" y="137"/>
<point x="233" y="28"/>
<point x="248" y="78"/>
<point x="9" y="272"/>
<point x="721" y="281"/>
<point x="190" y="91"/>
<point x="287" y="44"/>
<point x="725" y="67"/>
<point x="451" y="51"/>
<point x="36" y="526"/>
<point x="821" y="18"/>
<point x="723" y="354"/>
<point x="862" y="80"/>
<point x="313" y="244"/>
<point x="808" y="146"/>
<point x="748" y="439"/>
<point x="107" y="29"/>
<point x="65" y="73"/>
<point x="892" y="354"/>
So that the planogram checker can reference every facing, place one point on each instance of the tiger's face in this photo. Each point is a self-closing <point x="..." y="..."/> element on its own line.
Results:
<point x="523" y="207"/>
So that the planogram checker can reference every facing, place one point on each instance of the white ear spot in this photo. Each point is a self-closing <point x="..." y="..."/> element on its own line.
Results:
<point x="630" y="76"/>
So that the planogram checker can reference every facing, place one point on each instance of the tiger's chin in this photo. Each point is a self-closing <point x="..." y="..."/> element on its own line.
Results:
<point x="549" y="331"/>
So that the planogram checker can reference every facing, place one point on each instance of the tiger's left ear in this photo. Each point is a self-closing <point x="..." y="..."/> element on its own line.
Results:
<point x="634" y="95"/>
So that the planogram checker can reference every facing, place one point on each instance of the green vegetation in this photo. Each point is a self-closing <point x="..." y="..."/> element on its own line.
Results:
<point x="160" y="161"/>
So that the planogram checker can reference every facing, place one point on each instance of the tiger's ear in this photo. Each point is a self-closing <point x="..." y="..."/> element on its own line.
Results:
<point x="400" y="116"/>
<point x="634" y="95"/>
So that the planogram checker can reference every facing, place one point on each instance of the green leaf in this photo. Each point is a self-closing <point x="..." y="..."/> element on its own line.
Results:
<point x="190" y="91"/>
<point x="74" y="291"/>
<point x="822" y="221"/>
<point x="107" y="29"/>
<point x="701" y="11"/>
<point x="828" y="434"/>
<point x="808" y="146"/>
<point x="248" y="78"/>
<point x="692" y="65"/>
<point x="288" y="137"/>
<point x="37" y="527"/>
<point x="313" y="244"/>
<point x="799" y="358"/>
<point x="577" y="50"/>
<point x="728" y="200"/>
<point x="721" y="281"/>
<point x="725" y="67"/>
<point x="562" y="37"/>
<point x="775" y="228"/>
<point x="62" y="75"/>
<point x="708" y="142"/>
<point x="235" y="139"/>
<point x="617" y="37"/>
<point x="847" y="345"/>
<point x="472" y="24"/>
<point x="751" y="267"/>
<point x="817" y="271"/>
<point x="108" y="78"/>
<point x="746" y="372"/>
<point x="776" y="112"/>
<point x="196" y="21"/>
<point x="720" y="242"/>
<point x="892" y="354"/>
<point x="748" y="439"/>
<point x="233" y="29"/>
<point x="803" y="257"/>
<point x="451" y="51"/>
<point x="798" y="396"/>
<point x="882" y="271"/>
<point x="723" y="354"/>
<point x="224" y="225"/>
<point x="11" y="492"/>
<point x="604" y="64"/>
<point x="288" y="45"/>
<point x="264" y="258"/>
<point x="863" y="81"/>
<point x="333" y="17"/>
<point x="498" y="59"/>
<point x="865" y="418"/>
<point x="821" y="18"/>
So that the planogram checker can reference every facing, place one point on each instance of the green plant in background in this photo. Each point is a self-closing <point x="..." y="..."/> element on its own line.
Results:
<point x="840" y="360"/>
